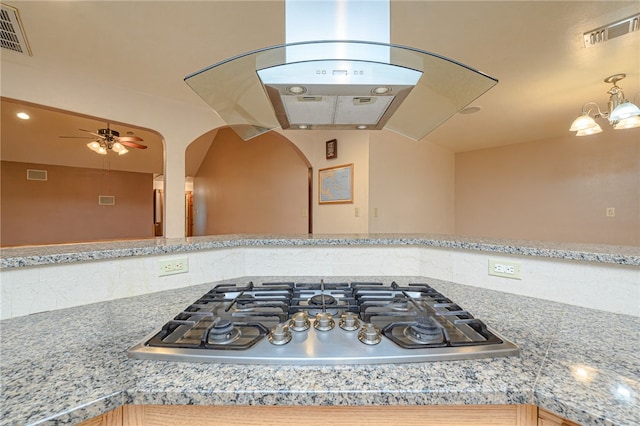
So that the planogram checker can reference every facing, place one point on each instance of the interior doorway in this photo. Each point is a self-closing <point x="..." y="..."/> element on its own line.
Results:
<point x="261" y="186"/>
<point x="188" y="203"/>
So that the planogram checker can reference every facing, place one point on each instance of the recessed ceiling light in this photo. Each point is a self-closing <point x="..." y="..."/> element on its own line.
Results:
<point x="23" y="116"/>
<point x="361" y="127"/>
<point x="303" y="126"/>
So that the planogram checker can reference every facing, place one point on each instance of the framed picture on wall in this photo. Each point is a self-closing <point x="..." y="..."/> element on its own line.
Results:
<point x="332" y="149"/>
<point x="335" y="185"/>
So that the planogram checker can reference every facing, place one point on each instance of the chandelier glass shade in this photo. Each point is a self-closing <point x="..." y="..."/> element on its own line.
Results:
<point x="584" y="122"/>
<point x="628" y="123"/>
<point x="624" y="111"/>
<point x="103" y="147"/>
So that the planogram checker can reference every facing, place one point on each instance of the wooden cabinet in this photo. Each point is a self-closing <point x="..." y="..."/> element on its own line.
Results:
<point x="112" y="418"/>
<point x="437" y="415"/>
<point x="546" y="418"/>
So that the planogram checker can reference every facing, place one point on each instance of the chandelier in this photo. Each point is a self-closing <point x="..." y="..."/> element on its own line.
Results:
<point x="621" y="113"/>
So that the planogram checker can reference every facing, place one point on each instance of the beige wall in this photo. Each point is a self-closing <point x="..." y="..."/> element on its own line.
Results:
<point x="257" y="186"/>
<point x="411" y="185"/>
<point x="553" y="190"/>
<point x="353" y="147"/>
<point x="65" y="207"/>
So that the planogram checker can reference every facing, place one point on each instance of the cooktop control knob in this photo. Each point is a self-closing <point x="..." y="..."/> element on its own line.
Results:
<point x="349" y="321"/>
<point x="324" y="322"/>
<point x="280" y="334"/>
<point x="369" y="334"/>
<point x="299" y="321"/>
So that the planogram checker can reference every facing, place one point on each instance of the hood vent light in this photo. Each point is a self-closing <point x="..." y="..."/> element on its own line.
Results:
<point x="296" y="90"/>
<point x="412" y="93"/>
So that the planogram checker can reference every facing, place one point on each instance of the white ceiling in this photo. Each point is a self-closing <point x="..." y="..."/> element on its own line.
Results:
<point x="534" y="49"/>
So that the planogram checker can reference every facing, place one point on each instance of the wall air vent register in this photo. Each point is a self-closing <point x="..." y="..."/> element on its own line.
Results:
<point x="106" y="200"/>
<point x="34" y="174"/>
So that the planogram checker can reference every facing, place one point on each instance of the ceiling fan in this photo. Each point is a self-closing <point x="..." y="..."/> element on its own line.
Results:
<point x="109" y="139"/>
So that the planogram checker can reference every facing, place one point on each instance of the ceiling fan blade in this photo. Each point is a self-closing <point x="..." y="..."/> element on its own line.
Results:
<point x="129" y="139"/>
<point x="132" y="144"/>
<point x="90" y="132"/>
<point x="77" y="137"/>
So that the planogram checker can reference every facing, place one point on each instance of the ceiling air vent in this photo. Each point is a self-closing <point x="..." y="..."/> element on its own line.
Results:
<point x="611" y="31"/>
<point x="12" y="35"/>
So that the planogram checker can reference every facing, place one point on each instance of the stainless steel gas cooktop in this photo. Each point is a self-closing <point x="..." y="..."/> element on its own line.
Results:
<point x="323" y="323"/>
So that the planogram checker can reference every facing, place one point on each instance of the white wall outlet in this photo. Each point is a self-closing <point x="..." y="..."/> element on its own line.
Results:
<point x="173" y="266"/>
<point x="357" y="211"/>
<point x="502" y="268"/>
<point x="375" y="212"/>
<point x="611" y="211"/>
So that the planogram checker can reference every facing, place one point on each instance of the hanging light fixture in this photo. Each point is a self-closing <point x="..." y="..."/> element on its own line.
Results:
<point x="621" y="113"/>
<point x="102" y="147"/>
<point x="108" y="143"/>
<point x="110" y="140"/>
<point x="97" y="147"/>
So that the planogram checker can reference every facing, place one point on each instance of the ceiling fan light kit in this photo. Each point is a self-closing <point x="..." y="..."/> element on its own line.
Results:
<point x="97" y="147"/>
<point x="621" y="113"/>
<point x="110" y="140"/>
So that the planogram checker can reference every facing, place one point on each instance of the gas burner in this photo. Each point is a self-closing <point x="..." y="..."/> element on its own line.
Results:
<point x="245" y="302"/>
<point x="223" y="332"/>
<point x="424" y="330"/>
<point x="323" y="303"/>
<point x="323" y="300"/>
<point x="399" y="303"/>
<point x="271" y="324"/>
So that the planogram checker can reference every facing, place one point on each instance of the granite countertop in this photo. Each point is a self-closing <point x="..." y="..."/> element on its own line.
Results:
<point x="69" y="365"/>
<point x="15" y="257"/>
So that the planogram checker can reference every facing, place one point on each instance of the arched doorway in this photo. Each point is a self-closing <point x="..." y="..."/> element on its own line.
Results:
<point x="260" y="186"/>
<point x="55" y="190"/>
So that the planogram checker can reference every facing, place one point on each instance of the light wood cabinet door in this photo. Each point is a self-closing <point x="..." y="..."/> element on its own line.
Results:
<point x="468" y="415"/>
<point x="546" y="418"/>
<point x="236" y="415"/>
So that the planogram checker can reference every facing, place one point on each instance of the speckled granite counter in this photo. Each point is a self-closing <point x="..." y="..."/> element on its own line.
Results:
<point x="69" y="365"/>
<point x="68" y="253"/>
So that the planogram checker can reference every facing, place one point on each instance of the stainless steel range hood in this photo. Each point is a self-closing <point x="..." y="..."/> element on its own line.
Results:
<point x="336" y="94"/>
<point x="411" y="93"/>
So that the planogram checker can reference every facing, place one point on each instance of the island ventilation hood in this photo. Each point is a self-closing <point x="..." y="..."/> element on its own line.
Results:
<point x="339" y="84"/>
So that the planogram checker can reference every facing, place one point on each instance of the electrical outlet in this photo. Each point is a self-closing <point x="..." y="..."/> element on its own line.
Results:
<point x="173" y="266"/>
<point x="502" y="268"/>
